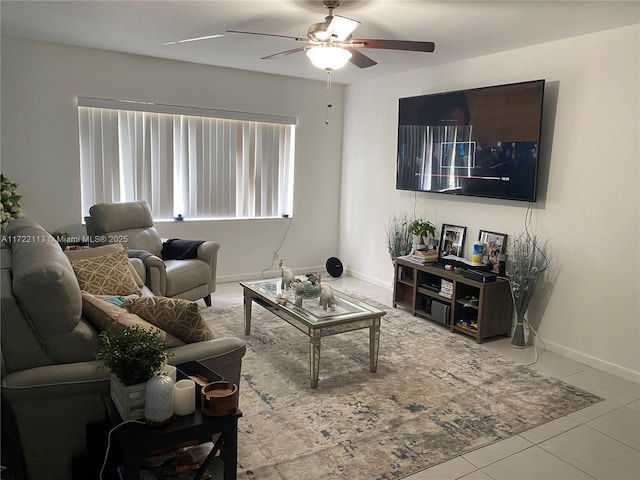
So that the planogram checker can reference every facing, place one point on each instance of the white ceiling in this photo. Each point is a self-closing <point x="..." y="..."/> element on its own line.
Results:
<point x="460" y="29"/>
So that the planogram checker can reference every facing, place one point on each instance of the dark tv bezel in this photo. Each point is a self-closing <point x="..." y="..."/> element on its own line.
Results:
<point x="460" y="194"/>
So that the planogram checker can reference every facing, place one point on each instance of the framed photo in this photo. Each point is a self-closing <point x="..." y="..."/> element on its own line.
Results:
<point x="451" y="240"/>
<point x="495" y="244"/>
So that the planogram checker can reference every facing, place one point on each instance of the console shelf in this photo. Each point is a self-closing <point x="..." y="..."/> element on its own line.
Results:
<point x="480" y="310"/>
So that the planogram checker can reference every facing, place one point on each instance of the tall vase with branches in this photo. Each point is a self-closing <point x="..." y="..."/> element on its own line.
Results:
<point x="399" y="238"/>
<point x="527" y="262"/>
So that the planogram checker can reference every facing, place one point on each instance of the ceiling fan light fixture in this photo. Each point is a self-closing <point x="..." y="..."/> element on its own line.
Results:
<point x="328" y="57"/>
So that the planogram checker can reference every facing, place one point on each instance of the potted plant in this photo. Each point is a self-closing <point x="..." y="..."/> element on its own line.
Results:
<point x="133" y="355"/>
<point x="9" y="202"/>
<point x="423" y="230"/>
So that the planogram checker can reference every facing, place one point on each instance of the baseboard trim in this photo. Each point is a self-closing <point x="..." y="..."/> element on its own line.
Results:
<point x="270" y="273"/>
<point x="591" y="361"/>
<point x="367" y="278"/>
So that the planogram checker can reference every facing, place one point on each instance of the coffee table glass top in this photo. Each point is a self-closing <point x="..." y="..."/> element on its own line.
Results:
<point x="346" y="307"/>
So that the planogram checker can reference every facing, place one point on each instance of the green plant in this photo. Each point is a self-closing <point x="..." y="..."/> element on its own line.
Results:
<point x="399" y="241"/>
<point x="9" y="202"/>
<point x="133" y="354"/>
<point x="423" y="228"/>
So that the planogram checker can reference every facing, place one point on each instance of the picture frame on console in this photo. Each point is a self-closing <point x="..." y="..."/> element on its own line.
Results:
<point x="452" y="240"/>
<point x="495" y="246"/>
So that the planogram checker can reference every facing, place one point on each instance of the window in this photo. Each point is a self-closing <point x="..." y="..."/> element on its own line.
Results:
<point x="196" y="162"/>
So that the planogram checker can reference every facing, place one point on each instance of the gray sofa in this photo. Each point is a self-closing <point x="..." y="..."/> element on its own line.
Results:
<point x="50" y="379"/>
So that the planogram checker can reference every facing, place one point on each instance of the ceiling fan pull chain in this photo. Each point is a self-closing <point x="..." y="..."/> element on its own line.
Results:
<point x="329" y="105"/>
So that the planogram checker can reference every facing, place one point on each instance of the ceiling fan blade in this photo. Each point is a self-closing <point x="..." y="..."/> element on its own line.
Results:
<point x="340" y="28"/>
<point x="394" y="45"/>
<point x="287" y="52"/>
<point x="194" y="39"/>
<point x="360" y="59"/>
<point x="297" y="39"/>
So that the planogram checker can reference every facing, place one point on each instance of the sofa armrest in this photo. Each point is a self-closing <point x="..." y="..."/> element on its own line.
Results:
<point x="222" y="355"/>
<point x="155" y="275"/>
<point x="138" y="266"/>
<point x="55" y="381"/>
<point x="208" y="252"/>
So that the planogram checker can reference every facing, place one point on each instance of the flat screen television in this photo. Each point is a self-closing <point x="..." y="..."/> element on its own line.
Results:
<point x="482" y="142"/>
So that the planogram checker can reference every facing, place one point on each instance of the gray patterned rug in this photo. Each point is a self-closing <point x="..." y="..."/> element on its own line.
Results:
<point x="436" y="395"/>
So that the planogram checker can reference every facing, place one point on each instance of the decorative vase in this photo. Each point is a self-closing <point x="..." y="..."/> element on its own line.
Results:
<point x="158" y="401"/>
<point x="518" y="340"/>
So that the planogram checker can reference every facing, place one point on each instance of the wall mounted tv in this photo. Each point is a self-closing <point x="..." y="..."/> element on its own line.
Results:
<point x="481" y="142"/>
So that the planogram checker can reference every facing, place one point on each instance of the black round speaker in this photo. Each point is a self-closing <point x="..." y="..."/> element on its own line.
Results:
<point x="334" y="267"/>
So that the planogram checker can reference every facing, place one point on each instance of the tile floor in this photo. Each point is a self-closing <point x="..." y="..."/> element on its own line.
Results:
<point x="601" y="442"/>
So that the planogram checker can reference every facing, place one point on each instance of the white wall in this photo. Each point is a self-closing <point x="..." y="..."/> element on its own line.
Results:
<point x="40" y="84"/>
<point x="589" y="203"/>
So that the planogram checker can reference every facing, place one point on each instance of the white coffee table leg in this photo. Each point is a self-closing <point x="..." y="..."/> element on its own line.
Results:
<point x="314" y="358"/>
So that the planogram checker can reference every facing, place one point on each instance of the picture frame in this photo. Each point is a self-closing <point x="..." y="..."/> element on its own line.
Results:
<point x="495" y="245"/>
<point x="451" y="240"/>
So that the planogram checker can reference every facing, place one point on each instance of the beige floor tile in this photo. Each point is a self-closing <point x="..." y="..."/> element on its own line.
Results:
<point x="594" y="411"/>
<point x="622" y="424"/>
<point x="534" y="464"/>
<point x="635" y="406"/>
<point x="477" y="475"/>
<point x="503" y="346"/>
<point x="451" y="470"/>
<point x="548" y="363"/>
<point x="556" y="366"/>
<point x="595" y="453"/>
<point x="606" y="385"/>
<point x="550" y="429"/>
<point x="497" y="451"/>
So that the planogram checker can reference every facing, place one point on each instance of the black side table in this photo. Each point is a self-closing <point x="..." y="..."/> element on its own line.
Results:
<point x="137" y="440"/>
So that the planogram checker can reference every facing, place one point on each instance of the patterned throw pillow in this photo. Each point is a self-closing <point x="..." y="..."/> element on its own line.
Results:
<point x="127" y="319"/>
<point x="86" y="253"/>
<point x="106" y="275"/>
<point x="179" y="317"/>
<point x="107" y="316"/>
<point x="101" y="314"/>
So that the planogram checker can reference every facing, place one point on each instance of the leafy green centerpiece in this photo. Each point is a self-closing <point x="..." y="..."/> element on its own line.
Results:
<point x="422" y="229"/>
<point x="133" y="354"/>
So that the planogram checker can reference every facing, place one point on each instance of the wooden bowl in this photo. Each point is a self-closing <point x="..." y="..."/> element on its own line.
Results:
<point x="218" y="399"/>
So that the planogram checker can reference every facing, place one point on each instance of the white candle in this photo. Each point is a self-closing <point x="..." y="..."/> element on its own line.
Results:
<point x="170" y="371"/>
<point x="184" y="397"/>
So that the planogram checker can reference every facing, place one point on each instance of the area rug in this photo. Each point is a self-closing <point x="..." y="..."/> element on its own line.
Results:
<point x="436" y="395"/>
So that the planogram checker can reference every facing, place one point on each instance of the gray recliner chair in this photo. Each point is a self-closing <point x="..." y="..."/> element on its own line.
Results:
<point x="131" y="224"/>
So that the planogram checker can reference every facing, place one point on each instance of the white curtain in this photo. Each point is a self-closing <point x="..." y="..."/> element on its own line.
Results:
<point x="200" y="167"/>
<point x="100" y="158"/>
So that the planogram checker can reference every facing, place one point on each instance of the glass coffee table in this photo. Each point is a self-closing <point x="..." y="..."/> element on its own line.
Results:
<point x="313" y="320"/>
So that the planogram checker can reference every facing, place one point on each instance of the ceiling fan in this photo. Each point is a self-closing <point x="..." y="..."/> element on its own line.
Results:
<point x="330" y="44"/>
